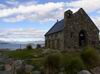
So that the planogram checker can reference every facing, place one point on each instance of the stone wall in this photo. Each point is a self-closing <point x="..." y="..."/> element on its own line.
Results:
<point x="55" y="41"/>
<point x="74" y="24"/>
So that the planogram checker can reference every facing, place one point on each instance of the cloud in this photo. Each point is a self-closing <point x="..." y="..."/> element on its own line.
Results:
<point x="48" y="11"/>
<point x="98" y="11"/>
<point x="14" y="19"/>
<point x="88" y="5"/>
<point x="2" y="6"/>
<point x="40" y="13"/>
<point x="96" y="20"/>
<point x="40" y="9"/>
<point x="20" y="34"/>
<point x="12" y="2"/>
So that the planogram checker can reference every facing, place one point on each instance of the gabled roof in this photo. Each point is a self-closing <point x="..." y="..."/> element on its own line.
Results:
<point x="58" y="26"/>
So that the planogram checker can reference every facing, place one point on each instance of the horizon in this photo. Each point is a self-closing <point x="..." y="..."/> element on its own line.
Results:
<point x="29" y="20"/>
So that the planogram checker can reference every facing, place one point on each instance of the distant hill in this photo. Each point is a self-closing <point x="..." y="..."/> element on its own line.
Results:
<point x="3" y="42"/>
<point x="17" y="45"/>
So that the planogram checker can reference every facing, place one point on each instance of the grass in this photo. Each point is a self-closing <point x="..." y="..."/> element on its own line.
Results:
<point x="20" y="54"/>
<point x="23" y="54"/>
<point x="71" y="62"/>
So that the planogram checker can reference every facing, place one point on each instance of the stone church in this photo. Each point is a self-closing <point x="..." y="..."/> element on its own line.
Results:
<point x="75" y="31"/>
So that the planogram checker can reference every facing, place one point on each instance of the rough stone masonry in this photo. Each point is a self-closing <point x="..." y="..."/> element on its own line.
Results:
<point x="75" y="31"/>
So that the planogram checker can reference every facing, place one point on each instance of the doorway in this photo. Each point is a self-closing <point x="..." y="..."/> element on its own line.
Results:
<point x="82" y="38"/>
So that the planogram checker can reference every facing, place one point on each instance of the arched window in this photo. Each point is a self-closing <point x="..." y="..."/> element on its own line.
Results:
<point x="82" y="38"/>
<point x="71" y="35"/>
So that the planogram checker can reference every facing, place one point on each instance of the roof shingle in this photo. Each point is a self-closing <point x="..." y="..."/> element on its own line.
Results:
<point x="58" y="26"/>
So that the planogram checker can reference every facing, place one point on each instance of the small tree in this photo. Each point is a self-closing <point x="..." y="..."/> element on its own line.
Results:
<point x="29" y="46"/>
<point x="38" y="46"/>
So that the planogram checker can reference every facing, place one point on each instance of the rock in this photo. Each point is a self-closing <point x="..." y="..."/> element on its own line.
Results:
<point x="28" y="68"/>
<point x="36" y="72"/>
<point x="96" y="70"/>
<point x="18" y="64"/>
<point x="84" y="72"/>
<point x="5" y="72"/>
<point x="8" y="67"/>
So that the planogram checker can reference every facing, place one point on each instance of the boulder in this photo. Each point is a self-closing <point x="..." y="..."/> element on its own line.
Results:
<point x="36" y="72"/>
<point x="18" y="64"/>
<point x="84" y="72"/>
<point x="8" y="67"/>
<point x="28" y="68"/>
<point x="96" y="70"/>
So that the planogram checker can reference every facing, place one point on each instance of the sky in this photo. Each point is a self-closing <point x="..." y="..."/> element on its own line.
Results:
<point x="29" y="20"/>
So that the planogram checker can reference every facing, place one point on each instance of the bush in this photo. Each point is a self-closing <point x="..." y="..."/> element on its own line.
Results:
<point x="29" y="46"/>
<point x="38" y="46"/>
<point x="91" y="57"/>
<point x="52" y="63"/>
<point x="73" y="64"/>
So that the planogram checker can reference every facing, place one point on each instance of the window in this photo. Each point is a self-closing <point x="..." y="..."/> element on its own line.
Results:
<point x="82" y="38"/>
<point x="58" y="44"/>
<point x="71" y="34"/>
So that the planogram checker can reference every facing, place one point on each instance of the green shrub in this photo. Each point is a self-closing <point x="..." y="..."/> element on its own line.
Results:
<point x="90" y="57"/>
<point x="73" y="64"/>
<point x="52" y="63"/>
<point x="29" y="47"/>
<point x="38" y="46"/>
<point x="38" y="63"/>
